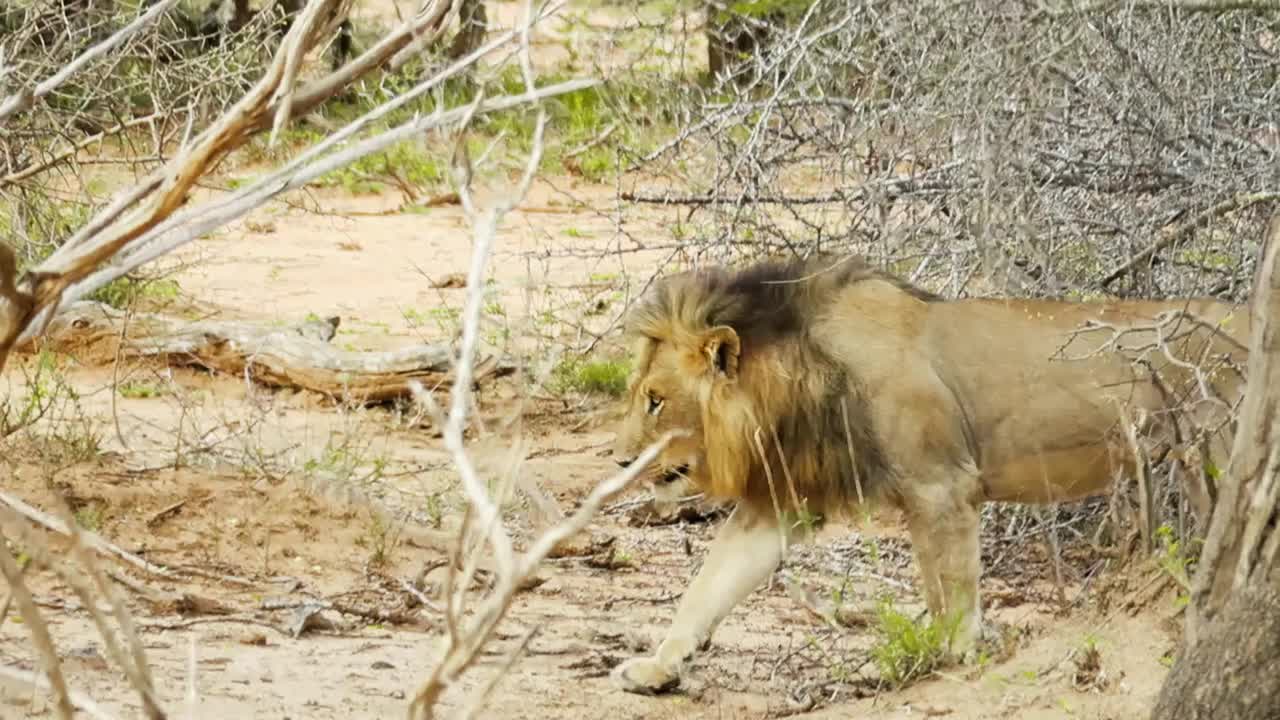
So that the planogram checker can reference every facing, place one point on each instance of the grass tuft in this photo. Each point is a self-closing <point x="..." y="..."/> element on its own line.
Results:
<point x="593" y="377"/>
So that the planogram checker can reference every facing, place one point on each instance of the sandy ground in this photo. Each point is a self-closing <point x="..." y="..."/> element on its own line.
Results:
<point x="270" y="505"/>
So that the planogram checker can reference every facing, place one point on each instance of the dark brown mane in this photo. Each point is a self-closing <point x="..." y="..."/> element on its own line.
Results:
<point x="762" y="302"/>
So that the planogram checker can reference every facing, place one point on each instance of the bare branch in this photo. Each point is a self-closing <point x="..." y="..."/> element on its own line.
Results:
<point x="1184" y="229"/>
<point x="26" y="98"/>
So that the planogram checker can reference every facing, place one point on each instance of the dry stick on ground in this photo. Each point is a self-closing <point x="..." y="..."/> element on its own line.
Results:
<point x="289" y="357"/>
<point x="39" y="632"/>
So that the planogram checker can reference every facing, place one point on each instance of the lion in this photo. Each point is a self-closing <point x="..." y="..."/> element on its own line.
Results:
<point x="804" y="390"/>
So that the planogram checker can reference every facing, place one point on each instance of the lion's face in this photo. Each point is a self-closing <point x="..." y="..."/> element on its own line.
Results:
<point x="672" y="382"/>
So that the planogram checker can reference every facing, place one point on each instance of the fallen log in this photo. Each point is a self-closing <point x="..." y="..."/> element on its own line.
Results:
<point x="298" y="356"/>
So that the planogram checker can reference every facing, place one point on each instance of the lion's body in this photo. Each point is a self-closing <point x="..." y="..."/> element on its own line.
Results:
<point x="1050" y="430"/>
<point x="856" y="386"/>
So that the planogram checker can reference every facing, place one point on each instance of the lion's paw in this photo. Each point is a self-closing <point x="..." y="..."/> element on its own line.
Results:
<point x="988" y="640"/>
<point x="645" y="676"/>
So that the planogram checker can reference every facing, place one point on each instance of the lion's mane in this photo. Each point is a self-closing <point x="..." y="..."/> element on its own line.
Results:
<point x="789" y="395"/>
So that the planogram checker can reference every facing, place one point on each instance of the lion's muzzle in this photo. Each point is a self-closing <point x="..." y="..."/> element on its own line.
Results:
<point x="675" y="474"/>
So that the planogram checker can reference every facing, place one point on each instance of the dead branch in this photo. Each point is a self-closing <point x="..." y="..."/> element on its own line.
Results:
<point x="1185" y="229"/>
<point x="186" y="227"/>
<point x="928" y="182"/>
<point x="91" y="539"/>
<point x="298" y="356"/>
<point x="39" y="682"/>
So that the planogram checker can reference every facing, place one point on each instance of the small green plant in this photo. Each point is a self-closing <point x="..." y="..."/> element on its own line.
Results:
<point x="344" y="463"/>
<point x="873" y="550"/>
<point x="907" y="649"/>
<point x="1173" y="558"/>
<point x="139" y="390"/>
<point x="403" y="164"/>
<point x="38" y="223"/>
<point x="380" y="539"/>
<point x="70" y="436"/>
<point x="124" y="291"/>
<point x="44" y="383"/>
<point x="435" y="508"/>
<point x="601" y="377"/>
<point x="90" y="517"/>
<point x="447" y="319"/>
<point x="413" y="317"/>
<point x="802" y="518"/>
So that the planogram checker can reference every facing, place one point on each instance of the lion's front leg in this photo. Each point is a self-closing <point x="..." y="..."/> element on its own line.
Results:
<point x="744" y="553"/>
<point x="945" y="531"/>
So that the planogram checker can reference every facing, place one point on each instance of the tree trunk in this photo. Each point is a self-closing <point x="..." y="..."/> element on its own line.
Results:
<point x="1234" y="671"/>
<point x="1230" y="665"/>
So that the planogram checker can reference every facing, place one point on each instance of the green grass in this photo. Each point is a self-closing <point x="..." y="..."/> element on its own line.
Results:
<point x="906" y="649"/>
<point x="43" y="225"/>
<point x="140" y="390"/>
<point x="124" y="291"/>
<point x="592" y="377"/>
<point x="405" y="161"/>
<point x="90" y="517"/>
<point x="577" y="123"/>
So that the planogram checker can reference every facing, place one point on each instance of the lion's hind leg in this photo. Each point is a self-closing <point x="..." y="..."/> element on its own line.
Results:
<point x="745" y="552"/>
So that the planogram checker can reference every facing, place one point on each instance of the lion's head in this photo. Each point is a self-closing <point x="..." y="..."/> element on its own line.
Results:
<point x="724" y="359"/>
<point x="674" y="384"/>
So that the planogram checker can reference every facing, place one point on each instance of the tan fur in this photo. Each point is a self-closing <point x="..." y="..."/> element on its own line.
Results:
<point x="857" y="387"/>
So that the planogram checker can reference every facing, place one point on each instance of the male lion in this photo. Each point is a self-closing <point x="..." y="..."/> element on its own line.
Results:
<point x="858" y="387"/>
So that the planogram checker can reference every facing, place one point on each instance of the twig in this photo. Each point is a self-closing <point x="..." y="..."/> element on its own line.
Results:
<point x="604" y="135"/>
<point x="205" y="620"/>
<point x="91" y="539"/>
<point x="41" y="682"/>
<point x="37" y="168"/>
<point x="25" y="99"/>
<point x="47" y="654"/>
<point x="893" y="188"/>
<point x="419" y="595"/>
<point x="1185" y="229"/>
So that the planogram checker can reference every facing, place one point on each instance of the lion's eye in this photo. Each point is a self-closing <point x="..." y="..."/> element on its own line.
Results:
<point x="655" y="404"/>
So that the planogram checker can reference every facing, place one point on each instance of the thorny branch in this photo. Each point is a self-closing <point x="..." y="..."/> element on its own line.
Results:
<point x="25" y="98"/>
<point x="1024" y="150"/>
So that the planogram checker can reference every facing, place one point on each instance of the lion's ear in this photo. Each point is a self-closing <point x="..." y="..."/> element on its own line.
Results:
<point x="721" y="347"/>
